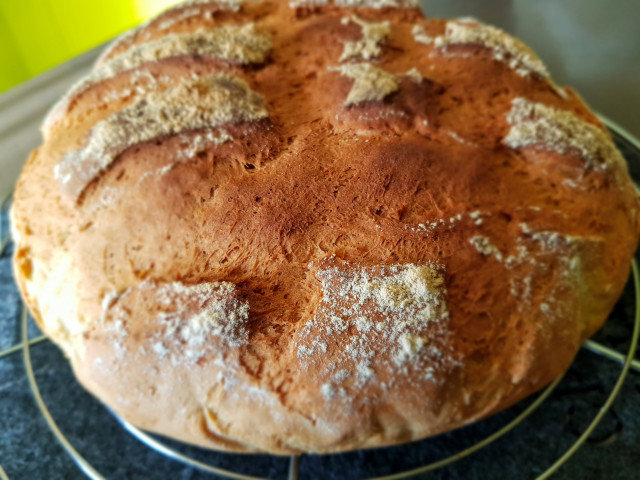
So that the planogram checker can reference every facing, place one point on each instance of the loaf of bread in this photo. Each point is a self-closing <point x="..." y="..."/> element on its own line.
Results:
<point x="320" y="225"/>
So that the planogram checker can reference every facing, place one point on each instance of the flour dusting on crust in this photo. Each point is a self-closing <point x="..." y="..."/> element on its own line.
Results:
<point x="420" y="35"/>
<point x="370" y="83"/>
<point x="505" y="48"/>
<point x="308" y="3"/>
<point x="204" y="102"/>
<point x="546" y="128"/>
<point x="552" y="262"/>
<point x="378" y="4"/>
<point x="373" y="36"/>
<point x="230" y="5"/>
<point x="196" y="12"/>
<point x="415" y="75"/>
<point x="485" y="247"/>
<point x="186" y="316"/>
<point x="377" y="319"/>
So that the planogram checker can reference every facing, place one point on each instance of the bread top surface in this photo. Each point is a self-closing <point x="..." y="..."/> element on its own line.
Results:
<point x="319" y="226"/>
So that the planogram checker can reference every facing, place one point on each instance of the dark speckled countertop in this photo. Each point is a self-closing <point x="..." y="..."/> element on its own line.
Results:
<point x="28" y="449"/>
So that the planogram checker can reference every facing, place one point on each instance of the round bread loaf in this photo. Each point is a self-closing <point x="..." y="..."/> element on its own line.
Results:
<point x="320" y="226"/>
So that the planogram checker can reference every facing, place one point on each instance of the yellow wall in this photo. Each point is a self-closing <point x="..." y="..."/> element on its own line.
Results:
<point x="36" y="35"/>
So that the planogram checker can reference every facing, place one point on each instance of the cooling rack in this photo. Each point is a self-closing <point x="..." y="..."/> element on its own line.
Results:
<point x="291" y="467"/>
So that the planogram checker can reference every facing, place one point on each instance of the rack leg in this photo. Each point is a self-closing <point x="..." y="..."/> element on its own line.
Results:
<point x="294" y="467"/>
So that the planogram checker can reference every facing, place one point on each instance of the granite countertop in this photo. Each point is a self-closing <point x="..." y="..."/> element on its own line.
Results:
<point x="28" y="449"/>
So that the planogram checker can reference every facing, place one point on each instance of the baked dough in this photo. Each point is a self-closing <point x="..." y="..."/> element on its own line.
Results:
<point x="320" y="226"/>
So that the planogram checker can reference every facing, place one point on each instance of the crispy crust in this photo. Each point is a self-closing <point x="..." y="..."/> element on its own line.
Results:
<point x="312" y="218"/>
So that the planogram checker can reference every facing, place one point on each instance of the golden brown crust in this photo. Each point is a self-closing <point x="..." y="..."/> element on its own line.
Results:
<point x="376" y="246"/>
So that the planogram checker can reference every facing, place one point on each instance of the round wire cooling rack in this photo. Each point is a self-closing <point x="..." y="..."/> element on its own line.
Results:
<point x="166" y="449"/>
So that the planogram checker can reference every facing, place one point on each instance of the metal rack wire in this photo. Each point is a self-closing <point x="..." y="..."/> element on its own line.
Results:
<point x="627" y="360"/>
